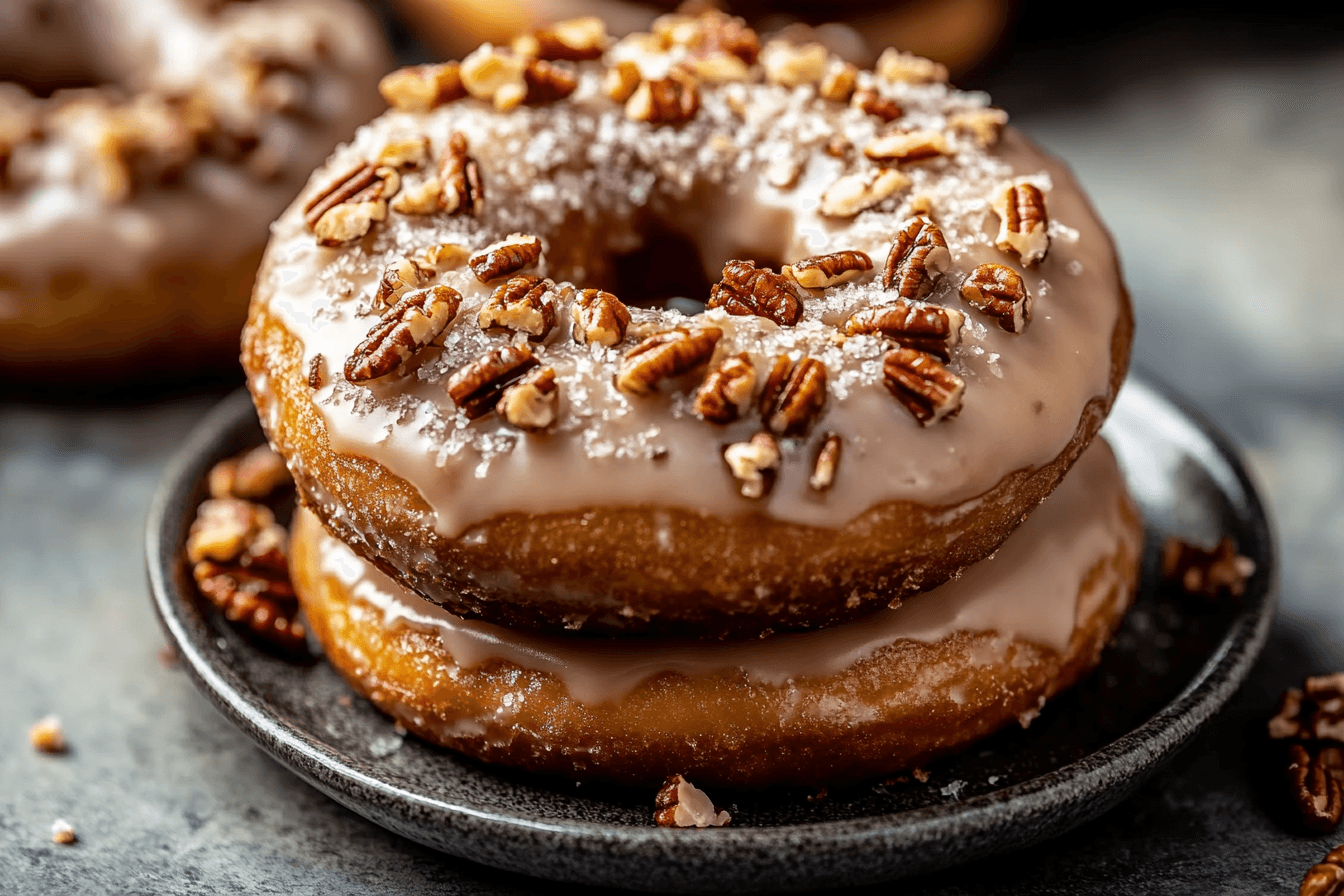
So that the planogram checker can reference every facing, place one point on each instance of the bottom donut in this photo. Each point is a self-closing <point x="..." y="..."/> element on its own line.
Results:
<point x="862" y="699"/>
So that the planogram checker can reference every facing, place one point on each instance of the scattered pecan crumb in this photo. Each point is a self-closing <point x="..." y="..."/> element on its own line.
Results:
<point x="522" y="304"/>
<point x="747" y="290"/>
<point x="1023" y="222"/>
<point x="726" y="393"/>
<point x="599" y="317"/>
<point x="821" y="271"/>
<point x="862" y="190"/>
<point x="477" y="387"/>
<point x="63" y="833"/>
<point x="315" y="371"/>
<point x="1208" y="573"/>
<point x="920" y="382"/>
<point x="918" y="258"/>
<point x="903" y="147"/>
<point x="1326" y="878"/>
<point x="927" y="328"/>
<point x="506" y="257"/>
<point x="825" y="463"/>
<point x="47" y="736"/>
<point x="999" y="291"/>
<point x="251" y="475"/>
<point x="419" y="88"/>
<point x="893" y="65"/>
<point x="754" y="464"/>
<point x="867" y="99"/>
<point x="461" y="190"/>
<point x="671" y="100"/>
<point x="800" y="400"/>
<point x="530" y="404"/>
<point x="665" y="355"/>
<point x="404" y="331"/>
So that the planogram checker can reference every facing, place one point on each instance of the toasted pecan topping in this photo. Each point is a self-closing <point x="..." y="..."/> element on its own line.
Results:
<point x="837" y="84"/>
<point x="620" y="81"/>
<point x="800" y="400"/>
<point x="707" y="32"/>
<point x="825" y="463"/>
<point x="341" y="189"/>
<point x="853" y="193"/>
<point x="927" y="328"/>
<point x="252" y="475"/>
<point x="1023" y="223"/>
<point x="671" y="100"/>
<point x="893" y="65"/>
<point x="918" y="257"/>
<point x="460" y="178"/>
<point x="530" y="404"/>
<point x="1315" y="788"/>
<point x="496" y="76"/>
<point x="921" y="383"/>
<point x="665" y="355"/>
<point x="523" y="304"/>
<point x="258" y="597"/>
<point x="793" y="65"/>
<point x="506" y="257"/>
<point x="477" y="387"/>
<point x="774" y="385"/>
<point x="405" y="155"/>
<point x="445" y="256"/>
<point x="599" y="317"/>
<point x="869" y="100"/>
<point x="999" y="291"/>
<point x="424" y="198"/>
<point x="901" y="147"/>
<point x="821" y="271"/>
<point x="348" y="222"/>
<point x="754" y="463"/>
<point x="747" y="290"/>
<point x="398" y="277"/>
<point x="230" y="529"/>
<point x="419" y="88"/>
<point x="547" y="82"/>
<point x="726" y="393"/>
<point x="719" y="68"/>
<point x="984" y="125"/>
<point x="403" y="332"/>
<point x="574" y="40"/>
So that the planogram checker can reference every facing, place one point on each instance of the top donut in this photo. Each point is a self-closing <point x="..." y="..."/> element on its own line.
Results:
<point x="916" y="323"/>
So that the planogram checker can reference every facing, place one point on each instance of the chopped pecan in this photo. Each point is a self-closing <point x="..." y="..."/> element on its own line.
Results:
<point x="671" y="100"/>
<point x="398" y="277"/>
<point x="869" y="100"/>
<point x="315" y="371"/>
<point x="839" y="148"/>
<point x="348" y="222"/>
<point x="665" y="355"/>
<point x="262" y="599"/>
<point x="926" y="328"/>
<point x="984" y="125"/>
<point x="46" y="735"/>
<point x="680" y="804"/>
<point x="522" y="304"/>
<point x="918" y="257"/>
<point x="792" y="64"/>
<point x="1210" y="573"/>
<point x="774" y="385"/>
<point x="837" y="83"/>
<point x="999" y="291"/>
<point x="477" y="387"/>
<point x="1316" y="792"/>
<point x="63" y="833"/>
<point x="599" y="317"/>
<point x="709" y="31"/>
<point x="343" y="188"/>
<point x="893" y="65"/>
<point x="231" y="529"/>
<point x="1023" y="224"/>
<point x="726" y="393"/>
<point x="1326" y="877"/>
<point x="424" y="198"/>
<point x="800" y="400"/>
<point x="531" y="402"/>
<point x="754" y="464"/>
<point x="921" y="383"/>
<point x="251" y="475"/>
<point x="407" y="155"/>
<point x="621" y="80"/>
<point x="495" y="76"/>
<point x="546" y="82"/>
<point x="853" y="193"/>
<point x="821" y="271"/>
<point x="460" y="178"/>
<point x="719" y="68"/>
<point x="574" y="40"/>
<point x="747" y="290"/>
<point x="446" y="256"/>
<point x="825" y="463"/>
<point x="506" y="257"/>
<point x="784" y="168"/>
<point x="419" y="88"/>
<point x="907" y="146"/>
<point x="403" y="332"/>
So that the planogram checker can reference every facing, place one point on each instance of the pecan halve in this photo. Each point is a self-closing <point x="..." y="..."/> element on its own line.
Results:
<point x="531" y="403"/>
<point x="227" y="529"/>
<point x="671" y="100"/>
<point x="664" y="355"/>
<point x="821" y="271"/>
<point x="419" y="88"/>
<point x="999" y="291"/>
<point x="868" y="100"/>
<point x="825" y="463"/>
<point x="726" y="393"/>
<point x="680" y="804"/>
<point x="477" y="387"/>
<point x="918" y="257"/>
<point x="862" y="190"/>
<point x="927" y="328"/>
<point x="1206" y="572"/>
<point x="747" y="290"/>
<point x="506" y="257"/>
<point x="460" y="179"/>
<point x="261" y="599"/>
<point x="1326" y="877"/>
<point x="341" y="189"/>
<point x="920" y="382"/>
<point x="754" y="464"/>
<point x="800" y="400"/>
<point x="398" y="277"/>
<point x="404" y="330"/>
<point x="522" y="304"/>
<point x="902" y="147"/>
<point x="599" y="317"/>
<point x="774" y="385"/>
<point x="1316" y="794"/>
<point x="1024" y="226"/>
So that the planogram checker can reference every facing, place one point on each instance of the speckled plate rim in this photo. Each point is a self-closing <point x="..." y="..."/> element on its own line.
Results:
<point x="792" y="857"/>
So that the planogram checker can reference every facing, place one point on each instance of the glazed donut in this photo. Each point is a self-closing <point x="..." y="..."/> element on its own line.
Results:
<point x="932" y="331"/>
<point x="145" y="146"/>
<point x="861" y="699"/>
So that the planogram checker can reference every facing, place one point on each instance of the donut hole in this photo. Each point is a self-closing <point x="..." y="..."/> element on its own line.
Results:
<point x="670" y="271"/>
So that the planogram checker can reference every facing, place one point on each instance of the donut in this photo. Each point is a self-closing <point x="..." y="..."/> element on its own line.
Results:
<point x="145" y="146"/>
<point x="911" y="324"/>
<point x="861" y="699"/>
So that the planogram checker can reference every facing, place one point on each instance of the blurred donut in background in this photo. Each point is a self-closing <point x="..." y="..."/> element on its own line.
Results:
<point x="145" y="148"/>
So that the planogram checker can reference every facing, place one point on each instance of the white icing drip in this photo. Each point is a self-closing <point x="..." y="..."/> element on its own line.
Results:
<point x="1028" y="590"/>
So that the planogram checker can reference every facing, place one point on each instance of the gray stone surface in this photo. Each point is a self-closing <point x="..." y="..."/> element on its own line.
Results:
<point x="1222" y="181"/>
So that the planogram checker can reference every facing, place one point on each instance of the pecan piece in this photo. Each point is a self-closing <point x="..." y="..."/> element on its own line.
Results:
<point x="901" y="147"/>
<point x="1327" y="693"/>
<point x="893" y="65"/>
<point x="854" y="193"/>
<point x="747" y="290"/>
<point x="1208" y="573"/>
<point x="424" y="198"/>
<point x="531" y="403"/>
<point x="460" y="179"/>
<point x="665" y="355"/>
<point x="926" y="328"/>
<point x="46" y="735"/>
<point x="1326" y="877"/>
<point x="446" y="256"/>
<point x="868" y="100"/>
<point x="680" y="804"/>
<point x="599" y="317"/>
<point x="800" y="399"/>
<point x="1286" y="723"/>
<point x="837" y="84"/>
<point x="251" y="475"/>
<point x="621" y="80"/>
<point x="342" y="189"/>
<point x="984" y="125"/>
<point x="821" y="271"/>
<point x="419" y="88"/>
<point x="918" y="257"/>
<point x="403" y="332"/>
<point x="495" y="76"/>
<point x="1023" y="223"/>
<point x="825" y="463"/>
<point x="348" y="222"/>
<point x="1316" y="794"/>
<point x="574" y="40"/>
<point x="547" y="82"/>
<point x="792" y="65"/>
<point x="998" y="290"/>
<point x="477" y="387"/>
<point x="230" y="529"/>
<point x="405" y="155"/>
<point x="521" y="304"/>
<point x="63" y="833"/>
<point x="671" y="100"/>
<point x="920" y="382"/>
<point x="261" y="599"/>
<point x="506" y="257"/>
<point x="754" y="464"/>
<point x="400" y="276"/>
<point x="726" y="393"/>
<point x="774" y="385"/>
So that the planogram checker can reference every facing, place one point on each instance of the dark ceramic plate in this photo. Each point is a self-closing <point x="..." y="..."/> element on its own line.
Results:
<point x="1177" y="660"/>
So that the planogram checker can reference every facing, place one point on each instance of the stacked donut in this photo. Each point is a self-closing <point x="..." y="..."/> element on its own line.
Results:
<point x="145" y="146"/>
<point x="792" y="536"/>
